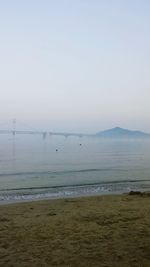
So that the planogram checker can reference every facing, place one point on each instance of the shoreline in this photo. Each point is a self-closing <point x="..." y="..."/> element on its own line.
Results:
<point x="106" y="194"/>
<point x="14" y="196"/>
<point x="11" y="202"/>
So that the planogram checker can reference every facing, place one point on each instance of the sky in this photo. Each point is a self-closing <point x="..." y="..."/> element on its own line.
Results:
<point x="75" y="65"/>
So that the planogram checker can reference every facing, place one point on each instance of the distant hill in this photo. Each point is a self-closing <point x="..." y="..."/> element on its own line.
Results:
<point x="118" y="132"/>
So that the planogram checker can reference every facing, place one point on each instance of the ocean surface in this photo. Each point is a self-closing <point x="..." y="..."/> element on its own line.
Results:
<point x="35" y="168"/>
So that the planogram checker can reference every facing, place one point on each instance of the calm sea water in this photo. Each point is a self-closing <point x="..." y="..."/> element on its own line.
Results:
<point x="31" y="168"/>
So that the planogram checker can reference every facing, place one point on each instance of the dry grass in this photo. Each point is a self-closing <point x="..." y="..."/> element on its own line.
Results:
<point x="94" y="231"/>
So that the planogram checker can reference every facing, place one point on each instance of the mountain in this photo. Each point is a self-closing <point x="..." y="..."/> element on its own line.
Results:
<point x="118" y="132"/>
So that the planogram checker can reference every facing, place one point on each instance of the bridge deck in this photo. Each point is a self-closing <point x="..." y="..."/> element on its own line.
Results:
<point x="44" y="133"/>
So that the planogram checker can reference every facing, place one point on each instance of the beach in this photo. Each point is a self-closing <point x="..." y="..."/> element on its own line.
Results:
<point x="91" y="231"/>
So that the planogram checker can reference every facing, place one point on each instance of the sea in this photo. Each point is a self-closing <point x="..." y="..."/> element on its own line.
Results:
<point x="33" y="167"/>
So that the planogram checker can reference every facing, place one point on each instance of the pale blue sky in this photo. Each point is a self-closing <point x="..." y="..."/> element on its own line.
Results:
<point x="75" y="65"/>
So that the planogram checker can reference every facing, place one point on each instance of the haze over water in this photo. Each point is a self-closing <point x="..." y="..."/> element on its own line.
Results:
<point x="31" y="168"/>
<point x="74" y="66"/>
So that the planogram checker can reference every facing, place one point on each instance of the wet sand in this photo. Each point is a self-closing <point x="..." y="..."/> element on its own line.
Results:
<point x="88" y="231"/>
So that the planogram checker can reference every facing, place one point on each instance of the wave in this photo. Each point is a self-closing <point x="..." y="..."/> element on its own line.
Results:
<point x="61" y="172"/>
<point x="116" y="182"/>
<point x="72" y="191"/>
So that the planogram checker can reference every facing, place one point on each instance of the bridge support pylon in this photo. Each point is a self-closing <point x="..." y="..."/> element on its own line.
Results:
<point x="14" y="127"/>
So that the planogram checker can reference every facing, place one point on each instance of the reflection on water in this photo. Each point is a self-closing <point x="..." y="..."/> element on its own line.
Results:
<point x="13" y="148"/>
<point x="33" y="163"/>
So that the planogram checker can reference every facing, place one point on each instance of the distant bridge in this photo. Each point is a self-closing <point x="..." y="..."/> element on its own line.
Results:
<point x="44" y="134"/>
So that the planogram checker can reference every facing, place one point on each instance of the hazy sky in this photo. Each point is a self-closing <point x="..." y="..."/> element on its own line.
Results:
<point x="75" y="65"/>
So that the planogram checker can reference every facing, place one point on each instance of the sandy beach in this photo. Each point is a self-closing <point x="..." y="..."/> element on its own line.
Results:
<point x="88" y="231"/>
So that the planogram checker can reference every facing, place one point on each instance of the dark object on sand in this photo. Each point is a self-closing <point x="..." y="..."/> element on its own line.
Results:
<point x="56" y="150"/>
<point x="135" y="193"/>
<point x="139" y="193"/>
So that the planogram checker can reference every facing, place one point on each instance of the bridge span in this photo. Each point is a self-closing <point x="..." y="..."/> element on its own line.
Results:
<point x="43" y="133"/>
<point x="14" y="128"/>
